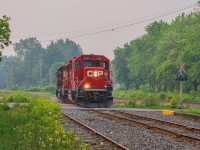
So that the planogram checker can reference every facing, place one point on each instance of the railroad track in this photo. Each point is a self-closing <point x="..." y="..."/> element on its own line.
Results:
<point x="95" y="139"/>
<point x="177" y="131"/>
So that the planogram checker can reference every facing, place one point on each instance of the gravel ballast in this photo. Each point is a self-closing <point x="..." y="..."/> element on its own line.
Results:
<point x="132" y="136"/>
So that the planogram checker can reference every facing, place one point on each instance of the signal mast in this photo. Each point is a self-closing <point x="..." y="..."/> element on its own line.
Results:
<point x="181" y="77"/>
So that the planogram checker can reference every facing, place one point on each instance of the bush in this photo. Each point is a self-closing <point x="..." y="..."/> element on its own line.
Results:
<point x="174" y="102"/>
<point x="4" y="107"/>
<point x="18" y="98"/>
<point x="50" y="89"/>
<point x="131" y="103"/>
<point x="189" y="98"/>
<point x="163" y="96"/>
<point x="36" y="126"/>
<point x="151" y="100"/>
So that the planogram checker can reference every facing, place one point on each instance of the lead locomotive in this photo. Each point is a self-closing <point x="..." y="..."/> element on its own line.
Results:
<point x="86" y="81"/>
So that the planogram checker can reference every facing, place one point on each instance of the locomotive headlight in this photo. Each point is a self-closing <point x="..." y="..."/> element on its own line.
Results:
<point x="86" y="86"/>
<point x="106" y="73"/>
<point x="95" y="74"/>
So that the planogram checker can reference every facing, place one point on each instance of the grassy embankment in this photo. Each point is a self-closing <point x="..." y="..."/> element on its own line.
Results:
<point x="37" y="124"/>
<point x="168" y="100"/>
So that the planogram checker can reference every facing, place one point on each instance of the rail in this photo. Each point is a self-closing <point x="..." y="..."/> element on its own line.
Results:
<point x="182" y="137"/>
<point x="117" y="145"/>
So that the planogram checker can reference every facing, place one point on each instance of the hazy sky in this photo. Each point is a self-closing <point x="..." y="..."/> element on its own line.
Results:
<point x="54" y="19"/>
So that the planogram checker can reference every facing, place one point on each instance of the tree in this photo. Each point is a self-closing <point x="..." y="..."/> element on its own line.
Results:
<point x="30" y="52"/>
<point x="153" y="58"/>
<point x="60" y="51"/>
<point x="120" y="65"/>
<point x="4" y="33"/>
<point x="33" y="65"/>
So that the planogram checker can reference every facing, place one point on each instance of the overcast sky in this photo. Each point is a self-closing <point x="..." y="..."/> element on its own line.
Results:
<point x="54" y="19"/>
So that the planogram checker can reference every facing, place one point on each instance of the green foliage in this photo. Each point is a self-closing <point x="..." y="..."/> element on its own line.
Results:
<point x="174" y="102"/>
<point x="34" y="65"/>
<point x="151" y="100"/>
<point x="141" y="95"/>
<point x="129" y="94"/>
<point x="151" y="61"/>
<point x="37" y="125"/>
<point x="131" y="103"/>
<point x="18" y="98"/>
<point x="50" y="89"/>
<point x="4" y="32"/>
<point x="163" y="96"/>
<point x="120" y="63"/>
<point x="191" y="111"/>
<point x="4" y="107"/>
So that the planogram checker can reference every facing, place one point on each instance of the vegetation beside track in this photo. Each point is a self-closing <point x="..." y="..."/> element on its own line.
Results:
<point x="191" y="111"/>
<point x="168" y="100"/>
<point x="35" y="125"/>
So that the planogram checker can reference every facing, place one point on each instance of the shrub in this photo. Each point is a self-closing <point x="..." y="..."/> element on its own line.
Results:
<point x="18" y="98"/>
<point x="151" y="100"/>
<point x="4" y="107"/>
<point x="36" y="126"/>
<point x="131" y="103"/>
<point x="189" y="98"/>
<point x="50" y="89"/>
<point x="174" y="102"/>
<point x="163" y="96"/>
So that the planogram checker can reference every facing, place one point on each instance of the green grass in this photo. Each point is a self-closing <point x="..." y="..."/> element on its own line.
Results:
<point x="163" y="96"/>
<point x="191" y="111"/>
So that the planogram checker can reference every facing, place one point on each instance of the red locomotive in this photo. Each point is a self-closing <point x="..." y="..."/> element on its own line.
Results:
<point x="86" y="81"/>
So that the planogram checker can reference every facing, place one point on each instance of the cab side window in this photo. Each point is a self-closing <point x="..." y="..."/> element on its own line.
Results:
<point x="78" y="65"/>
<point x="106" y="65"/>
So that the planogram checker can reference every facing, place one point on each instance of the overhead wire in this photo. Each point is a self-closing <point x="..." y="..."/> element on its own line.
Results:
<point x="114" y="28"/>
<point x="123" y="26"/>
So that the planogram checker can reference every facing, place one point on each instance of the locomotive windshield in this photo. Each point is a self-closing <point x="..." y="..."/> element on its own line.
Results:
<point x="87" y="64"/>
<point x="92" y="63"/>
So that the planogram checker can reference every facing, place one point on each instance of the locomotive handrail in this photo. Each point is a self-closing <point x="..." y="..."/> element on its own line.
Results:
<point x="77" y="85"/>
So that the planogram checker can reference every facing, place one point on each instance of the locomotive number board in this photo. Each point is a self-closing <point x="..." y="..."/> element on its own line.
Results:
<point x="86" y="58"/>
<point x="98" y="58"/>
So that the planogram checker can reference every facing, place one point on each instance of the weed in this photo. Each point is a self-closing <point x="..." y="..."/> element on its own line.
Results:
<point x="174" y="102"/>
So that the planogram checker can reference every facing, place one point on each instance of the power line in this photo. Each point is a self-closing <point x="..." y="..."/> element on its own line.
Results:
<point x="124" y="26"/>
<point x="115" y="28"/>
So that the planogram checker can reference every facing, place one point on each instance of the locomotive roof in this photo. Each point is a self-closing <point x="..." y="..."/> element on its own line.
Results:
<point x="92" y="55"/>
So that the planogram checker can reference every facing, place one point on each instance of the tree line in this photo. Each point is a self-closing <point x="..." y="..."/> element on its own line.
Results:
<point x="152" y="61"/>
<point x="34" y="65"/>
